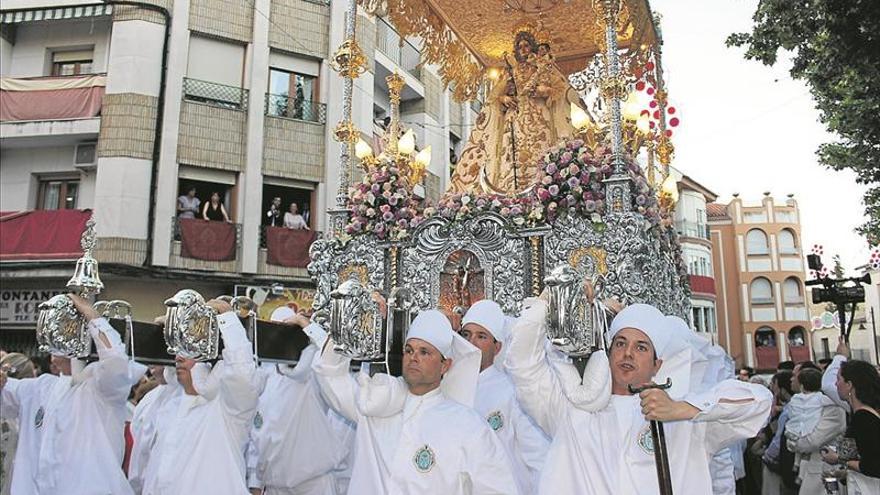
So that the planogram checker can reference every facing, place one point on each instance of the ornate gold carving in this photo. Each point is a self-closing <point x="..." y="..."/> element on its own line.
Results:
<point x="395" y="84"/>
<point x="665" y="149"/>
<point x="346" y="132"/>
<point x="462" y="46"/>
<point x="357" y="271"/>
<point x="349" y="59"/>
<point x="576" y="258"/>
<point x="614" y="87"/>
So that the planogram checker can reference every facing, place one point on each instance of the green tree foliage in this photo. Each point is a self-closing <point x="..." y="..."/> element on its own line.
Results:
<point x="835" y="46"/>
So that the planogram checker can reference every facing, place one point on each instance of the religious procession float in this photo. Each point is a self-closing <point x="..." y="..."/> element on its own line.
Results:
<point x="563" y="181"/>
<point x="549" y="189"/>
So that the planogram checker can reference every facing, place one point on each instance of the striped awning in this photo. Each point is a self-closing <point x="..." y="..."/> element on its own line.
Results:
<point x="55" y="13"/>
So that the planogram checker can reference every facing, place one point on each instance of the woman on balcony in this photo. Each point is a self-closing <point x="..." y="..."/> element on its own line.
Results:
<point x="214" y="210"/>
<point x="293" y="220"/>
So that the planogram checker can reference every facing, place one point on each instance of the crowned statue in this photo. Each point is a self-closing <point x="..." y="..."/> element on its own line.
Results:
<point x="527" y="110"/>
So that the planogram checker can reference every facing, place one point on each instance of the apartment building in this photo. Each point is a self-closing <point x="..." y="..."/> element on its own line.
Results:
<point x="117" y="111"/>
<point x="757" y="252"/>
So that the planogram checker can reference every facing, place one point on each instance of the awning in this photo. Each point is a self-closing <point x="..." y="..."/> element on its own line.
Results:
<point x="56" y="13"/>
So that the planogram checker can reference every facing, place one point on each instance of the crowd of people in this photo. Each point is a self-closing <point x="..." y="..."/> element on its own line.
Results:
<point x="487" y="408"/>
<point x="824" y="430"/>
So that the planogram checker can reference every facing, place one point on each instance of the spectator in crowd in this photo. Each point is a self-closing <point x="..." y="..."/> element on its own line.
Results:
<point x="772" y="482"/>
<point x="214" y="210"/>
<point x="273" y="216"/>
<point x="293" y="220"/>
<point x="858" y="384"/>
<point x="188" y="204"/>
<point x="745" y="373"/>
<point x="14" y="365"/>
<point x="785" y="366"/>
<point x="813" y="424"/>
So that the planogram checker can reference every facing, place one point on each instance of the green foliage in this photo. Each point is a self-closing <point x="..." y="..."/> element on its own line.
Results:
<point x="835" y="46"/>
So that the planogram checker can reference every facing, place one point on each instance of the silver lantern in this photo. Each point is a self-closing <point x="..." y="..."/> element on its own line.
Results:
<point x="575" y="325"/>
<point x="356" y="324"/>
<point x="191" y="327"/>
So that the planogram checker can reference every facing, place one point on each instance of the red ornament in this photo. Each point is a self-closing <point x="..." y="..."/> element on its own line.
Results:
<point x="673" y="122"/>
<point x="656" y="114"/>
<point x="650" y="91"/>
<point x="640" y="86"/>
<point x="669" y="133"/>
<point x="644" y="112"/>
<point x="649" y="66"/>
<point x="670" y="110"/>
<point x="651" y="124"/>
<point x="653" y="104"/>
<point x="638" y="73"/>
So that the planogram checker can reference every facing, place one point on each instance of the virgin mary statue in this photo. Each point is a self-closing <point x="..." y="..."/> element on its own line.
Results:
<point x="527" y="110"/>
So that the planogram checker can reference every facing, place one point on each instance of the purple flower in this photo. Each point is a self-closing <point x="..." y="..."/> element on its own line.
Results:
<point x="566" y="157"/>
<point x="375" y="188"/>
<point x="402" y="223"/>
<point x="641" y="200"/>
<point x="573" y="182"/>
<point x="546" y="180"/>
<point x="551" y="169"/>
<point x="589" y="206"/>
<point x="388" y="216"/>
<point x="505" y="211"/>
<point x="574" y="169"/>
<point x="515" y="210"/>
<point x="570" y="200"/>
<point x="553" y="189"/>
<point x="481" y="202"/>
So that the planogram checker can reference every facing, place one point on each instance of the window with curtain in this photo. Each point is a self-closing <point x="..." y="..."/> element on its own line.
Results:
<point x="791" y="291"/>
<point x="756" y="242"/>
<point x="787" y="243"/>
<point x="58" y="194"/>
<point x="761" y="291"/>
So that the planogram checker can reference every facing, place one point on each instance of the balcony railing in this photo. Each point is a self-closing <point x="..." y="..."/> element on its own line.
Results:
<point x="692" y="229"/>
<point x="221" y="95"/>
<point x="175" y="231"/>
<point x="295" y="108"/>
<point x="400" y="51"/>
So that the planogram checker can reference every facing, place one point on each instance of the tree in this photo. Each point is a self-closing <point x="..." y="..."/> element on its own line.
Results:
<point x="836" y="50"/>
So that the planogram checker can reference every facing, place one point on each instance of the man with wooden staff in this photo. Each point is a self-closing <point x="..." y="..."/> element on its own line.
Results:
<point x="604" y="444"/>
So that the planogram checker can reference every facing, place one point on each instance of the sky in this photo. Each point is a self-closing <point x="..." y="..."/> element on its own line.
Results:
<point x="747" y="128"/>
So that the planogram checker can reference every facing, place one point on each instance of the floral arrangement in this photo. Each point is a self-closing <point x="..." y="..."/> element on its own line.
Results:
<point x="383" y="204"/>
<point x="570" y="181"/>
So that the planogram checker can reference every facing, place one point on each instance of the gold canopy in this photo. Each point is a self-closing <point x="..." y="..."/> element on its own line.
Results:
<point x="465" y="37"/>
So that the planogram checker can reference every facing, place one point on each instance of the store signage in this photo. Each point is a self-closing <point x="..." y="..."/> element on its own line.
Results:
<point x="19" y="306"/>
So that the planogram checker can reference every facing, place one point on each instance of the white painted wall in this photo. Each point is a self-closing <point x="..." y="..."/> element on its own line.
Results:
<point x="5" y="57"/>
<point x="21" y="168"/>
<point x="689" y="203"/>
<point x="135" y="61"/>
<point x="31" y="54"/>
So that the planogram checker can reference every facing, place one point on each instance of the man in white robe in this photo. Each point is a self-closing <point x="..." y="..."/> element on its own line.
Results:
<point x="427" y="439"/>
<point x="71" y="440"/>
<point x="149" y="416"/>
<point x="485" y="327"/>
<point x="604" y="446"/>
<point x="200" y="449"/>
<point x="295" y="446"/>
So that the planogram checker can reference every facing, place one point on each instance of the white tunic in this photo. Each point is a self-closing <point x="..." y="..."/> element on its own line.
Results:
<point x="525" y="443"/>
<point x="200" y="450"/>
<point x="150" y="415"/>
<point x="295" y="447"/>
<point x="435" y="445"/>
<point x="610" y="450"/>
<point x="71" y="439"/>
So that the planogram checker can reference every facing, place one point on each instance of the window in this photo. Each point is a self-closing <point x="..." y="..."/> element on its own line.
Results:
<point x="787" y="243"/>
<point x="58" y="194"/>
<point x="765" y="337"/>
<point x="756" y="242"/>
<point x="72" y="62"/>
<point x="292" y="95"/>
<point x="796" y="337"/>
<point x="791" y="291"/>
<point x="762" y="291"/>
<point x="214" y="73"/>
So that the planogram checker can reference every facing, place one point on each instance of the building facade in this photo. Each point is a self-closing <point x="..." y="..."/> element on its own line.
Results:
<point x="693" y="230"/>
<point x="123" y="109"/>
<point x="762" y="310"/>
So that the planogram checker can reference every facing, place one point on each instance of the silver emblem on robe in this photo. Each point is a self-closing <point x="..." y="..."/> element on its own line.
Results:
<point x="424" y="459"/>
<point x="495" y="420"/>
<point x="38" y="418"/>
<point x="645" y="440"/>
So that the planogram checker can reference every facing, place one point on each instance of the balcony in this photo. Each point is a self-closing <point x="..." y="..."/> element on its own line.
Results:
<point x="702" y="285"/>
<point x="63" y="108"/>
<point x="692" y="229"/>
<point x="42" y="235"/>
<point x="295" y="108"/>
<point x="204" y="245"/>
<point x="399" y="50"/>
<point x="215" y="94"/>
